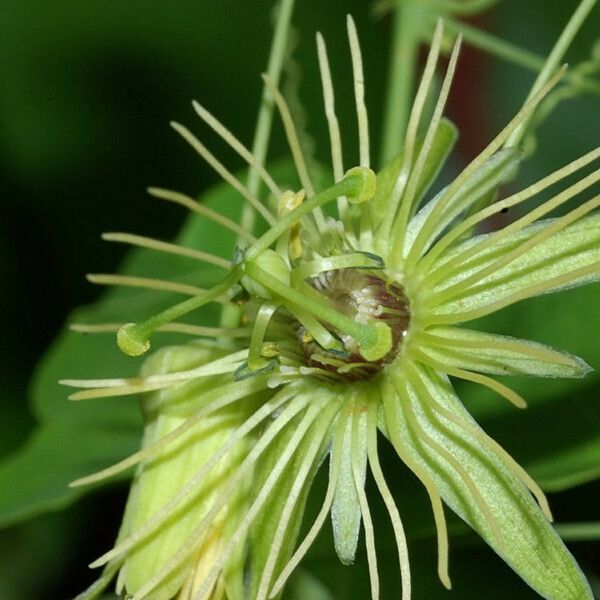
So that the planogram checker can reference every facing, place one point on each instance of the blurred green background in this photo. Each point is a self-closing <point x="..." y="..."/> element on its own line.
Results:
<point x="88" y="88"/>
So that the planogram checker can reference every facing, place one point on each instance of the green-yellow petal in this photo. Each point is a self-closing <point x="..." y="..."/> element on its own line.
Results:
<point x="567" y="258"/>
<point x="482" y="487"/>
<point x="497" y="354"/>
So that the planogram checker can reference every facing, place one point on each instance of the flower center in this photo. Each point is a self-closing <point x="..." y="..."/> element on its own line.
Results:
<point x="364" y="297"/>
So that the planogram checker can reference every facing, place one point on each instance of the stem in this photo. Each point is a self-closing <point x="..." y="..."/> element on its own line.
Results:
<point x="579" y="532"/>
<point x="230" y="316"/>
<point x="405" y="45"/>
<point x="485" y="41"/>
<point x="463" y="7"/>
<point x="553" y="61"/>
<point x="265" y="114"/>
<point x="510" y="52"/>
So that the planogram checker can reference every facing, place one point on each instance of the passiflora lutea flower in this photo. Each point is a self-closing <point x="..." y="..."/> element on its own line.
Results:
<point x="350" y="327"/>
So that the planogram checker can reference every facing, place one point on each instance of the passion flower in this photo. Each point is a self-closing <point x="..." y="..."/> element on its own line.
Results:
<point x="346" y="328"/>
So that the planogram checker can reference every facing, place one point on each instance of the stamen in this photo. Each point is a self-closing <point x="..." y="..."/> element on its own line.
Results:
<point x="201" y="209"/>
<point x="358" y="185"/>
<point x="359" y="420"/>
<point x="152" y="244"/>
<point x="195" y="330"/>
<point x="335" y="462"/>
<point x="290" y="243"/>
<point x="374" y="339"/>
<point x="359" y="92"/>
<point x="314" y="329"/>
<point x="261" y="323"/>
<point x="335" y="140"/>
<point x="388" y="499"/>
<point x="197" y="145"/>
<point x="349" y="367"/>
<point x="132" y="338"/>
<point x="361" y="296"/>
<point x="144" y="283"/>
<point x="437" y="213"/>
<point x="228" y="137"/>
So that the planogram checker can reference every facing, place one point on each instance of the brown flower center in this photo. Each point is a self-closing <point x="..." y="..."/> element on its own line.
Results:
<point x="364" y="296"/>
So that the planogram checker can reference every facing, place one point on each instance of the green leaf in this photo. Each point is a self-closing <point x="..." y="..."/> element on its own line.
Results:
<point x="579" y="532"/>
<point x="36" y="477"/>
<point x="97" y="356"/>
<point x="567" y="450"/>
<point x="304" y="586"/>
<point x="74" y="439"/>
<point x="567" y="468"/>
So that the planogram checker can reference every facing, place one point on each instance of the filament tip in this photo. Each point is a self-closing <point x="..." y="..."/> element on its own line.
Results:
<point x="363" y="183"/>
<point x="131" y="341"/>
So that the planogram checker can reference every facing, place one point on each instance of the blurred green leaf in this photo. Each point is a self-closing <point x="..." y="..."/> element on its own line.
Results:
<point x="36" y="477"/>
<point x="475" y="571"/>
<point x="75" y="439"/>
<point x="93" y="356"/>
<point x="304" y="586"/>
<point x="579" y="532"/>
<point x="78" y="438"/>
